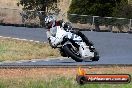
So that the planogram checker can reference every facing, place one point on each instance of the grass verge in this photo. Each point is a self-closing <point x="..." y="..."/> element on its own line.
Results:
<point x="60" y="82"/>
<point x="24" y="50"/>
<point x="56" y="77"/>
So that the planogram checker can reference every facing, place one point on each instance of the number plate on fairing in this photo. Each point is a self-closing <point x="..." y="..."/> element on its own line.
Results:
<point x="76" y="38"/>
<point x="85" y="52"/>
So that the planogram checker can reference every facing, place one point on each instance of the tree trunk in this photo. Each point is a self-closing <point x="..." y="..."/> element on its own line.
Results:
<point x="97" y="27"/>
<point x="42" y="16"/>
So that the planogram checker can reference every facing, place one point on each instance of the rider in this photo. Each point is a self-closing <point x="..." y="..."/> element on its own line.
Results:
<point x="54" y="39"/>
<point x="51" y="25"/>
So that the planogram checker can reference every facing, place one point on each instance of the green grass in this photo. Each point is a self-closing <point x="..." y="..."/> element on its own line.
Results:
<point x="60" y="82"/>
<point x="23" y="50"/>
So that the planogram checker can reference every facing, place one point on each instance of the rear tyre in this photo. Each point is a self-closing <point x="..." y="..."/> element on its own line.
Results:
<point x="96" y="56"/>
<point x="69" y="51"/>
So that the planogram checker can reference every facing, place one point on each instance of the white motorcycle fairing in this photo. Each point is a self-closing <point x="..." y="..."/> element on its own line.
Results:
<point x="83" y="49"/>
<point x="57" y="35"/>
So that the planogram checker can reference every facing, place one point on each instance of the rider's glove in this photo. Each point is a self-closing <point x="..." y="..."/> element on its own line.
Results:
<point x="52" y="42"/>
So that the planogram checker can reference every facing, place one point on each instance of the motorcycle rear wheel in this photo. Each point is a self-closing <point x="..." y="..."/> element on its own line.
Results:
<point x="96" y="56"/>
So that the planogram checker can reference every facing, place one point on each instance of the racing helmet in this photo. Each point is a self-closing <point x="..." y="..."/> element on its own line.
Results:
<point x="49" y="19"/>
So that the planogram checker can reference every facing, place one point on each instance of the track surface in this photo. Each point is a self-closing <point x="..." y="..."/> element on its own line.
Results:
<point x="114" y="48"/>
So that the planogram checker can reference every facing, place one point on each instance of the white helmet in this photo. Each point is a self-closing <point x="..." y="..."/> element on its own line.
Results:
<point x="49" y="19"/>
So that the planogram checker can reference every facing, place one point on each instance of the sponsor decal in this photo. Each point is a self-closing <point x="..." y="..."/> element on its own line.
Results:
<point x="83" y="78"/>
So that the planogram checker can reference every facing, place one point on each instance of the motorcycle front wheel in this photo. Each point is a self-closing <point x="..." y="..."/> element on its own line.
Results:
<point x="72" y="52"/>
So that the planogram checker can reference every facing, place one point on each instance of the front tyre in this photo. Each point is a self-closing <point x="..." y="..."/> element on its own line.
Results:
<point x="62" y="52"/>
<point x="72" y="53"/>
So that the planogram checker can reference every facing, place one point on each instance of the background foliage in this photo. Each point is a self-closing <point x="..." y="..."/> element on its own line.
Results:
<point x="102" y="8"/>
<point x="39" y="5"/>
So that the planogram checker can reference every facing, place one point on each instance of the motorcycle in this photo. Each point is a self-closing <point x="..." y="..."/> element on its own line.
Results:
<point x="74" y="44"/>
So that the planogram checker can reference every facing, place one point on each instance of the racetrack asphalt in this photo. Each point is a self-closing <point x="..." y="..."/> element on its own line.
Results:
<point x="114" y="48"/>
